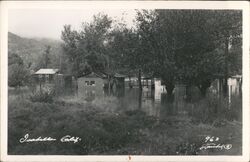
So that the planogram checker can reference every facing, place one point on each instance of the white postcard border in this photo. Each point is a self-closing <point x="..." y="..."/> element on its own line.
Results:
<point x="7" y="5"/>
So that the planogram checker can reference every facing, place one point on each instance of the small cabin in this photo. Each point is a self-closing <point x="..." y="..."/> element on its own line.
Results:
<point x="234" y="85"/>
<point x="119" y="80"/>
<point x="46" y="75"/>
<point x="48" y="78"/>
<point x="131" y="82"/>
<point x="91" y="85"/>
<point x="98" y="84"/>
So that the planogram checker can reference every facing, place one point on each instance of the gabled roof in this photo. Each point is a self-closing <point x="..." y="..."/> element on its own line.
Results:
<point x="229" y="76"/>
<point x="47" y="71"/>
<point x="117" y="75"/>
<point x="236" y="76"/>
<point x="95" y="75"/>
<point x="102" y="75"/>
<point x="113" y="74"/>
<point x="147" y="77"/>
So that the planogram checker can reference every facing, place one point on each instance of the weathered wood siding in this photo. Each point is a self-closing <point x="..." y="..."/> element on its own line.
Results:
<point x="90" y="87"/>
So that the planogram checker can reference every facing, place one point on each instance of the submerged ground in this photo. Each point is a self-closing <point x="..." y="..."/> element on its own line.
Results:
<point x="115" y="126"/>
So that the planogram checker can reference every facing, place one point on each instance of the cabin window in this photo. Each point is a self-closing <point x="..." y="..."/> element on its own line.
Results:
<point x="86" y="83"/>
<point x="90" y="83"/>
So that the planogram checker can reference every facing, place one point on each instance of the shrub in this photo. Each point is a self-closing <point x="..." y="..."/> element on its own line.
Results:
<point x="43" y="96"/>
<point x="18" y="75"/>
<point x="214" y="109"/>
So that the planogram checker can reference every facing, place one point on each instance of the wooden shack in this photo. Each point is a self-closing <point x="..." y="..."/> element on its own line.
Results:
<point x="48" y="79"/>
<point x="46" y="75"/>
<point x="234" y="85"/>
<point x="119" y="80"/>
<point x="97" y="84"/>
<point x="91" y="85"/>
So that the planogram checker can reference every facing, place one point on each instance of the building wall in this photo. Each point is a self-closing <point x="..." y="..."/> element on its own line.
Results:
<point x="90" y="87"/>
<point x="133" y="81"/>
<point x="234" y="86"/>
<point x="48" y="82"/>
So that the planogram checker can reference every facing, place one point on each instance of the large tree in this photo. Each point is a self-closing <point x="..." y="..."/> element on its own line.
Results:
<point x="86" y="49"/>
<point x="180" y="46"/>
<point x="125" y="51"/>
<point x="227" y="28"/>
<point x="156" y="49"/>
<point x="186" y="46"/>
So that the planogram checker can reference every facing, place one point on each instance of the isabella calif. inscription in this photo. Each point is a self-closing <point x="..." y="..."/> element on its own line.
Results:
<point x="66" y="138"/>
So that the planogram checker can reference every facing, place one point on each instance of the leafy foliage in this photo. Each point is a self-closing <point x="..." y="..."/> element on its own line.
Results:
<point x="87" y="49"/>
<point x="18" y="75"/>
<point x="188" y="46"/>
<point x="43" y="96"/>
<point x="124" y="50"/>
<point x="31" y="50"/>
<point x="45" y="59"/>
<point x="179" y="46"/>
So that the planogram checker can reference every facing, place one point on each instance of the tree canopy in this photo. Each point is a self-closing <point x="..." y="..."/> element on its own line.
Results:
<point x="188" y="46"/>
<point x="86" y="49"/>
<point x="18" y="74"/>
<point x="191" y="47"/>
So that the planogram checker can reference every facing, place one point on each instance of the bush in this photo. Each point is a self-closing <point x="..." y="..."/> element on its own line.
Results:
<point x="18" y="74"/>
<point x="120" y="131"/>
<point x="214" y="109"/>
<point x="45" y="96"/>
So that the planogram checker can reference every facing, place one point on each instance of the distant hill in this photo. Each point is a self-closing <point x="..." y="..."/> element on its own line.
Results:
<point x="31" y="50"/>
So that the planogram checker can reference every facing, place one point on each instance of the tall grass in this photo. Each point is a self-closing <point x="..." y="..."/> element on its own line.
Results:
<point x="107" y="127"/>
<point x="213" y="109"/>
<point x="100" y="130"/>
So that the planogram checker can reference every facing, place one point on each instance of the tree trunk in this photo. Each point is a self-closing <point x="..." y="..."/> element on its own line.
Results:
<point x="139" y="80"/>
<point x="203" y="88"/>
<point x="109" y="85"/>
<point x="140" y="99"/>
<point x="170" y="96"/>
<point x="40" y="85"/>
<point x="46" y="60"/>
<point x="169" y="88"/>
<point x="225" y="85"/>
<point x="140" y="89"/>
<point x="203" y="91"/>
<point x="189" y="93"/>
<point x="129" y="83"/>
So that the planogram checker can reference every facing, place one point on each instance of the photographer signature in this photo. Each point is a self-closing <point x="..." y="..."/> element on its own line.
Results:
<point x="212" y="142"/>
<point x="66" y="138"/>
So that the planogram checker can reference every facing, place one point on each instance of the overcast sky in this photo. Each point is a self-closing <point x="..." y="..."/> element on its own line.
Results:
<point x="49" y="23"/>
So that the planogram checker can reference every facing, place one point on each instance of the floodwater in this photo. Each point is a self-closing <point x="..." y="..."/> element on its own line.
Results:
<point x="178" y="121"/>
<point x="155" y="102"/>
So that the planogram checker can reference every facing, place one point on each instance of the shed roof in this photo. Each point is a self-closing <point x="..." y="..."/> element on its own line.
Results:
<point x="147" y="77"/>
<point x="95" y="75"/>
<point x="117" y="75"/>
<point x="47" y="71"/>
<point x="102" y="75"/>
<point x="236" y="76"/>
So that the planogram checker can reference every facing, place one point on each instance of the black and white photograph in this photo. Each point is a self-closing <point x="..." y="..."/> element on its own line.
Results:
<point x="128" y="81"/>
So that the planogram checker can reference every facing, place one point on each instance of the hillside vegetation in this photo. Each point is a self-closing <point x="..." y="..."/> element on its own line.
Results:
<point x="31" y="50"/>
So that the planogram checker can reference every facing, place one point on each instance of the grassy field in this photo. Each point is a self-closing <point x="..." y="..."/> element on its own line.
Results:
<point x="106" y="128"/>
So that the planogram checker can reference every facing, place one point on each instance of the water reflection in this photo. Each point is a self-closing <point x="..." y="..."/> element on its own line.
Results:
<point x="153" y="101"/>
